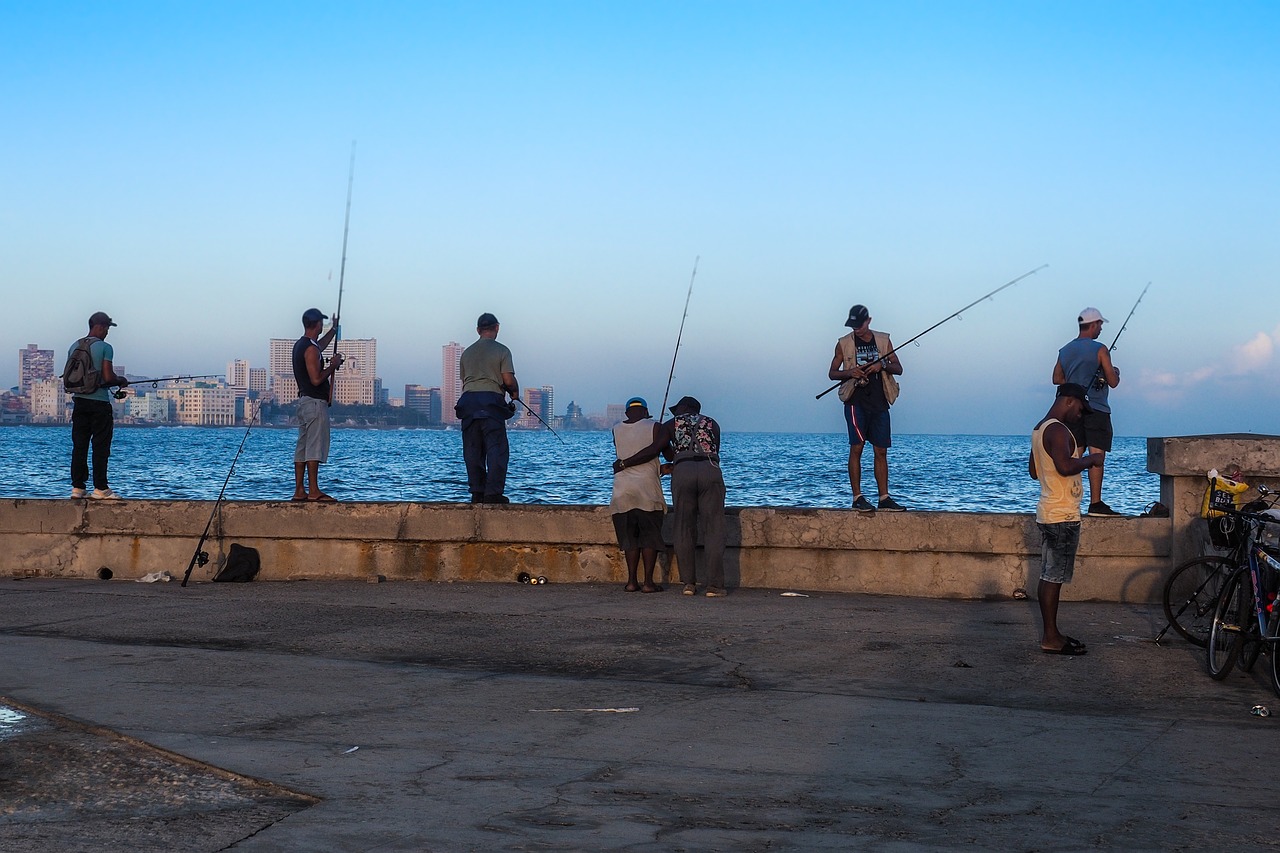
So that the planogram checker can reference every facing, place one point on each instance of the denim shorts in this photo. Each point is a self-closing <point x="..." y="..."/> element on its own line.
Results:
<point x="867" y="426"/>
<point x="1058" y="544"/>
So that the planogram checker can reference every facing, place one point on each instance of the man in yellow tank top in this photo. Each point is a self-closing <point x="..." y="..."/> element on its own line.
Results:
<point x="1056" y="462"/>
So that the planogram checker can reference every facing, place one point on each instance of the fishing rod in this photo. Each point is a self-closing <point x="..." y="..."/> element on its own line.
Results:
<point x="120" y="395"/>
<point x="936" y="325"/>
<point x="342" y="269"/>
<point x="540" y="420"/>
<point x="1097" y="374"/>
<point x="201" y="557"/>
<point x="680" y="335"/>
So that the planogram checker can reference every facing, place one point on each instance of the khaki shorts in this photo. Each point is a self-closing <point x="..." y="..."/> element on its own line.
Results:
<point x="313" y="431"/>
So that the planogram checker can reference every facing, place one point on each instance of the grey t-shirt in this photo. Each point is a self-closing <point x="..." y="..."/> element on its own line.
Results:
<point x="483" y="364"/>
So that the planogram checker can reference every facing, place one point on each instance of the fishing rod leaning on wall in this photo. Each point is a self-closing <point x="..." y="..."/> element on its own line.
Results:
<point x="886" y="355"/>
<point x="201" y="556"/>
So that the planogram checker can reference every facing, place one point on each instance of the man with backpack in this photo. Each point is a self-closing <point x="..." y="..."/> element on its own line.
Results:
<point x="87" y="375"/>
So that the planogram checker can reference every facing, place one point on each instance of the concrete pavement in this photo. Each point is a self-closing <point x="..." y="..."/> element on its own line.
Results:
<point x="579" y="717"/>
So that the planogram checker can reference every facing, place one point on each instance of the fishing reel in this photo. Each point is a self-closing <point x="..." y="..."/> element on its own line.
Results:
<point x="202" y="558"/>
<point x="119" y="394"/>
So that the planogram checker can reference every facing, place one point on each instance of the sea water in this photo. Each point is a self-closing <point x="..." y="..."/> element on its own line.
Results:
<point x="959" y="473"/>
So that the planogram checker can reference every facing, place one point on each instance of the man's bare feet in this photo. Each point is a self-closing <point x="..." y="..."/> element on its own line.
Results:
<point x="651" y="587"/>
<point x="632" y="587"/>
<point x="299" y="496"/>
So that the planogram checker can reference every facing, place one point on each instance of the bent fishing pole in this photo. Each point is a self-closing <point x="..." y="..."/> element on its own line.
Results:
<point x="680" y="335"/>
<point x="342" y="269"/>
<point x="1097" y="374"/>
<point x="201" y="557"/>
<point x="540" y="420"/>
<point x="937" y="324"/>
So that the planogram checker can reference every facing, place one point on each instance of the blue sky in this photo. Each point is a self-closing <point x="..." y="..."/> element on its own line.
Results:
<point x="183" y="166"/>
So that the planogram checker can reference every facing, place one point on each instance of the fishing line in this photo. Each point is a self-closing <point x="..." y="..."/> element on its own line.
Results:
<point x="936" y="325"/>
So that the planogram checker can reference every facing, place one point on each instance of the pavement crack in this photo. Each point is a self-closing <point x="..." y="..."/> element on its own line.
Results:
<point x="743" y="682"/>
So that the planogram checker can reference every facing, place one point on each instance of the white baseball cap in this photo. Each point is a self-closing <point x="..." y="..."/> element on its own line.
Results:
<point x="1090" y="315"/>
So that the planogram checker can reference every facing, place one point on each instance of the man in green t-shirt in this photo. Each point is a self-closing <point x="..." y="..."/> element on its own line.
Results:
<point x="488" y="377"/>
<point x="92" y="420"/>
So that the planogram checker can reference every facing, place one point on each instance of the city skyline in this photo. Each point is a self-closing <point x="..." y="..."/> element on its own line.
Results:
<point x="563" y="164"/>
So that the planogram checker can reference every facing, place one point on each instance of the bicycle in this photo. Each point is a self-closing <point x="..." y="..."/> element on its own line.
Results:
<point x="1246" y="620"/>
<point x="1192" y="589"/>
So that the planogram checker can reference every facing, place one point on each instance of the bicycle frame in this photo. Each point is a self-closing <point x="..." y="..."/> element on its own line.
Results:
<point x="1266" y="609"/>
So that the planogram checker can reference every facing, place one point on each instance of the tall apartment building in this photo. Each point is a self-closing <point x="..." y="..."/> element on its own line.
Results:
<point x="615" y="413"/>
<point x="148" y="407"/>
<point x="284" y="389"/>
<point x="258" y="382"/>
<point x="356" y="382"/>
<point x="238" y="374"/>
<point x="34" y="364"/>
<point x="450" y="380"/>
<point x="539" y="400"/>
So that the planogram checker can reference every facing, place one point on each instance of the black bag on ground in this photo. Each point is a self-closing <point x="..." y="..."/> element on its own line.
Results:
<point x="241" y="567"/>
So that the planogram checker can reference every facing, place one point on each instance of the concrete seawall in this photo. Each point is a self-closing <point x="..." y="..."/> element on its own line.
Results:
<point x="922" y="554"/>
<point x="934" y="555"/>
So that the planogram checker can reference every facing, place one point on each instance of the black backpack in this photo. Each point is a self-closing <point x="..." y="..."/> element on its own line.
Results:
<point x="242" y="565"/>
<point x="79" y="376"/>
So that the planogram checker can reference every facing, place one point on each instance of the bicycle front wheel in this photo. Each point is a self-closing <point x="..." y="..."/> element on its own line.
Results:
<point x="1225" y="636"/>
<point x="1191" y="594"/>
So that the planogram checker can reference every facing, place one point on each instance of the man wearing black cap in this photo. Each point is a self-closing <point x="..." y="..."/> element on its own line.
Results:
<point x="697" y="490"/>
<point x="1087" y="363"/>
<point x="488" y="377"/>
<point x="1056" y="462"/>
<point x="864" y="359"/>
<point x="637" y="504"/>
<point x="313" y="378"/>
<point x="92" y="420"/>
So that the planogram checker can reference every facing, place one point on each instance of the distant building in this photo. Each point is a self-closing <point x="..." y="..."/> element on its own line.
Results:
<point x="151" y="408"/>
<point x="284" y="388"/>
<point x="258" y="382"/>
<point x="357" y="383"/>
<point x="34" y="364"/>
<point x="450" y="380"/>
<point x="238" y="374"/>
<point x="615" y="412"/>
<point x="427" y="401"/>
<point x="202" y="404"/>
<point x="50" y="404"/>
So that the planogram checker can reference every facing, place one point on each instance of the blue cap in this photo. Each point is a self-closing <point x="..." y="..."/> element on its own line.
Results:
<point x="637" y="401"/>
<point x="312" y="316"/>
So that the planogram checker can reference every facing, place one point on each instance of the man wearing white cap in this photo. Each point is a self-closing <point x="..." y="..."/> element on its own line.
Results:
<point x="1087" y="363"/>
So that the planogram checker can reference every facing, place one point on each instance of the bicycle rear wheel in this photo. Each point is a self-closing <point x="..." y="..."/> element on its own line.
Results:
<point x="1225" y="637"/>
<point x="1191" y="594"/>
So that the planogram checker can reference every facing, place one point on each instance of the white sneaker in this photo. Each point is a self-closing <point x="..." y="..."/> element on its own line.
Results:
<point x="76" y="493"/>
<point x="105" y="495"/>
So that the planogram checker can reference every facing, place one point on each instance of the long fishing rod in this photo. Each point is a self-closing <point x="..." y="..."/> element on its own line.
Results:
<point x="342" y="269"/>
<point x="937" y="324"/>
<point x="540" y="420"/>
<point x="1097" y="374"/>
<point x="680" y="335"/>
<point x="120" y="395"/>
<point x="201" y="557"/>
